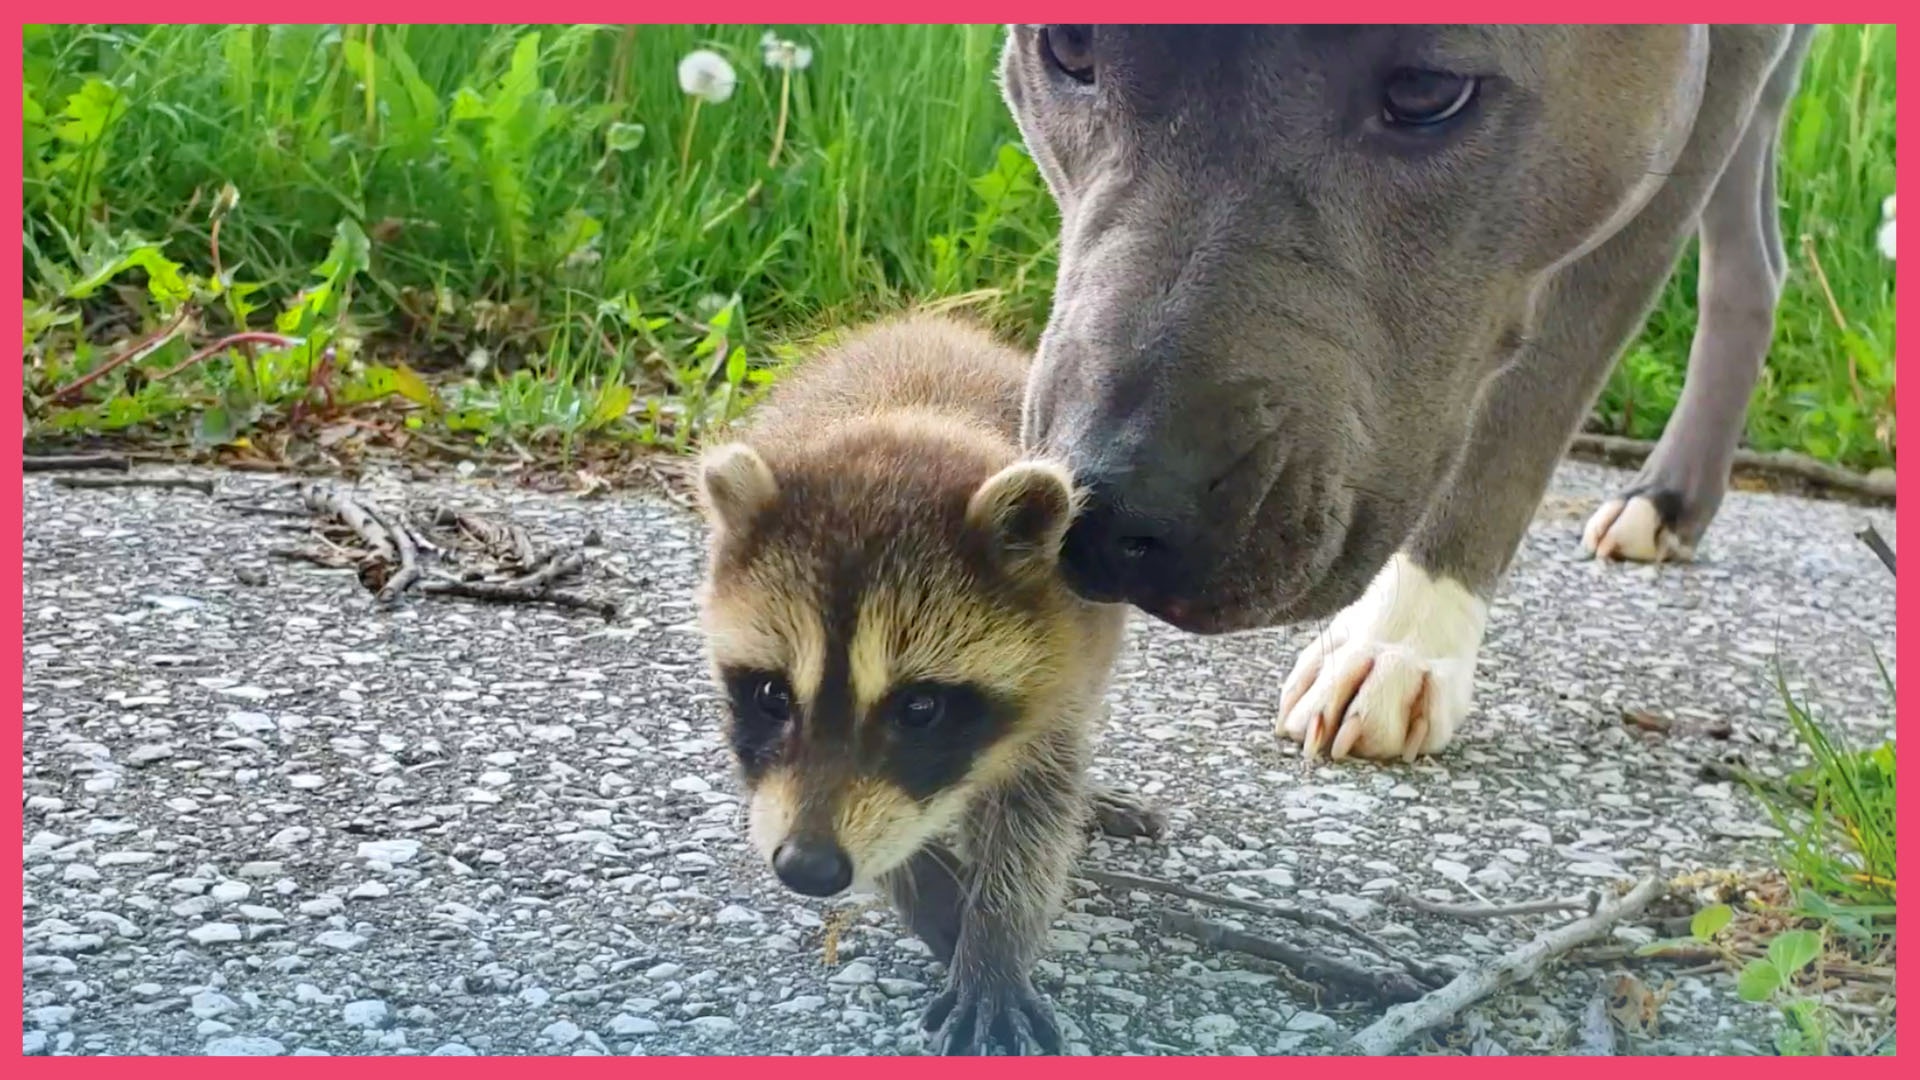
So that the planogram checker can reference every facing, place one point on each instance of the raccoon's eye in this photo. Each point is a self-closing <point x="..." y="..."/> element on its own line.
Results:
<point x="772" y="698"/>
<point x="921" y="709"/>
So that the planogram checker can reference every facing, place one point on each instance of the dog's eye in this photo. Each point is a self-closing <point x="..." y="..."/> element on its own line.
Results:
<point x="920" y="709"/>
<point x="1416" y="98"/>
<point x="1069" y="48"/>
<point x="772" y="699"/>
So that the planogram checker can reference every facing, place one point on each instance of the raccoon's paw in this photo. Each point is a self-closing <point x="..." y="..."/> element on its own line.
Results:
<point x="1637" y="528"/>
<point x="1392" y="677"/>
<point x="973" y="1017"/>
<point x="1124" y="814"/>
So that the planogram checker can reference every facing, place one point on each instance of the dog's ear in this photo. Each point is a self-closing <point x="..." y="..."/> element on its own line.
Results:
<point x="1025" y="509"/>
<point x="735" y="484"/>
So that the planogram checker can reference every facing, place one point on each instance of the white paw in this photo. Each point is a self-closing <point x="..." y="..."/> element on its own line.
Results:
<point x="1392" y="677"/>
<point x="1631" y="529"/>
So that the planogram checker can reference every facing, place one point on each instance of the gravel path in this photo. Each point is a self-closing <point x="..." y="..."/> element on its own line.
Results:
<point x="267" y="818"/>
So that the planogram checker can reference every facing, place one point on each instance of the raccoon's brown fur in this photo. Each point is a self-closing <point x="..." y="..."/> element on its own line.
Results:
<point x="913" y="690"/>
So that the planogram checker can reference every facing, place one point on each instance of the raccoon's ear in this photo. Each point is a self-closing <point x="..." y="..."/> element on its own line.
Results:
<point x="1026" y="508"/>
<point x="735" y="483"/>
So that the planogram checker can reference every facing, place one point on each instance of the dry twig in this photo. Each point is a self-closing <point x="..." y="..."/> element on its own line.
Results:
<point x="1616" y="450"/>
<point x="75" y="462"/>
<point x="1386" y="987"/>
<point x="1432" y="974"/>
<point x="1403" y="1022"/>
<point x="180" y="483"/>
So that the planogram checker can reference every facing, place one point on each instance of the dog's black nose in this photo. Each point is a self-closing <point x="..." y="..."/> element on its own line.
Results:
<point x="812" y="868"/>
<point x="1116" y="554"/>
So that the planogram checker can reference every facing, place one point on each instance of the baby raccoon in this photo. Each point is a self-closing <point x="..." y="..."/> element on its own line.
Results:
<point x="913" y="690"/>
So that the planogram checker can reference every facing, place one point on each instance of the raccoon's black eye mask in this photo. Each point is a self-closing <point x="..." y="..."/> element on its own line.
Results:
<point x="762" y="705"/>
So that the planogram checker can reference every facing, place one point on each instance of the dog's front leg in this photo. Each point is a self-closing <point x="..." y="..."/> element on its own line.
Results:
<point x="1392" y="676"/>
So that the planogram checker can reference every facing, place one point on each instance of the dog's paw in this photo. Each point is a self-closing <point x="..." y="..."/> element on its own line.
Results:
<point x="1635" y="528"/>
<point x="1392" y="677"/>
<point x="975" y="1017"/>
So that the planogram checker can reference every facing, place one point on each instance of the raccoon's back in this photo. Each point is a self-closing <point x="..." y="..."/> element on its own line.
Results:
<point x="920" y="363"/>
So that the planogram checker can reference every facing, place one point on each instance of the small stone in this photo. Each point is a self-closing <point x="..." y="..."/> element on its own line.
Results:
<point x="562" y="1032"/>
<point x="339" y="940"/>
<point x="309" y="994"/>
<point x="79" y="872"/>
<point x="290" y="836"/>
<point x="208" y="1004"/>
<point x="214" y="933"/>
<point x="369" y="1013"/>
<point x="1452" y="871"/>
<point x="692" y="785"/>
<point x="228" y="892"/>
<point x="51" y="1017"/>
<point x="711" y="1026"/>
<point x="369" y="890"/>
<point x="148" y="990"/>
<point x="452" y="1049"/>
<point x="734" y="914"/>
<point x="663" y="971"/>
<point x="212" y="1027"/>
<point x="1309" y="1021"/>
<point x="33" y="1042"/>
<point x="260" y="913"/>
<point x="389" y="851"/>
<point x="627" y="1025"/>
<point x="857" y="973"/>
<point x="536" y="996"/>
<point x="245" y="1046"/>
<point x="321" y="906"/>
<point x="1208" y="1030"/>
<point x="259" y="870"/>
<point x="141" y="756"/>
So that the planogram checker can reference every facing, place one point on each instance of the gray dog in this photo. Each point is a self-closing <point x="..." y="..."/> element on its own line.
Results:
<point x="1333" y="300"/>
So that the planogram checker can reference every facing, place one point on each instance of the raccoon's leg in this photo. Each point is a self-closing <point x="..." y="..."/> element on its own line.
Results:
<point x="1124" y="814"/>
<point x="928" y="894"/>
<point x="1022" y="841"/>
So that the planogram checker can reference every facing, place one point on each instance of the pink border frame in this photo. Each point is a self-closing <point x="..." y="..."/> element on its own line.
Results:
<point x="832" y="11"/>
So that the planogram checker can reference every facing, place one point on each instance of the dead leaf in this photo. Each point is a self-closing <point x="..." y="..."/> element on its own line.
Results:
<point x="1635" y="1007"/>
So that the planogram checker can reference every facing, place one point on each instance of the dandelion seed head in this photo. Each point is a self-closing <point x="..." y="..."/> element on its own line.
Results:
<point x="705" y="74"/>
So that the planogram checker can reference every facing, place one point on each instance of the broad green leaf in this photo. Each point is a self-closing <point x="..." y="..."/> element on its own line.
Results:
<point x="737" y="365"/>
<point x="1793" y="950"/>
<point x="1758" y="980"/>
<point x="408" y="384"/>
<point x="1709" y="921"/>
<point x="612" y="404"/>
<point x="468" y="104"/>
<point x="90" y="111"/>
<point x="622" y="137"/>
<point x="217" y="427"/>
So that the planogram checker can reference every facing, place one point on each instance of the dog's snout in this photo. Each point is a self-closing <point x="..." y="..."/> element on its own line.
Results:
<point x="1121" y="548"/>
<point x="812" y="867"/>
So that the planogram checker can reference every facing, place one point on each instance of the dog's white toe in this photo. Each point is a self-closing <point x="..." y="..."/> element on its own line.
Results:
<point x="1631" y="529"/>
<point x="1392" y="677"/>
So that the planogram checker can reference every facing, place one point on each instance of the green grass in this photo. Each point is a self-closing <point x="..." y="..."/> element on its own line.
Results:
<point x="521" y="191"/>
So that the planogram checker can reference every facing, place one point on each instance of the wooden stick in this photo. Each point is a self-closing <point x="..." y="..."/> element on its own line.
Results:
<point x="1498" y="911"/>
<point x="1871" y="537"/>
<point x="1780" y="463"/>
<point x="1387" y="987"/>
<point x="1431" y="974"/>
<point x="75" y="462"/>
<point x="180" y="483"/>
<point x="1403" y="1022"/>
<point x="407" y="573"/>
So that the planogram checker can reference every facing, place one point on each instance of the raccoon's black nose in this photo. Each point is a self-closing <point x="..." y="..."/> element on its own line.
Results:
<point x="812" y="868"/>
